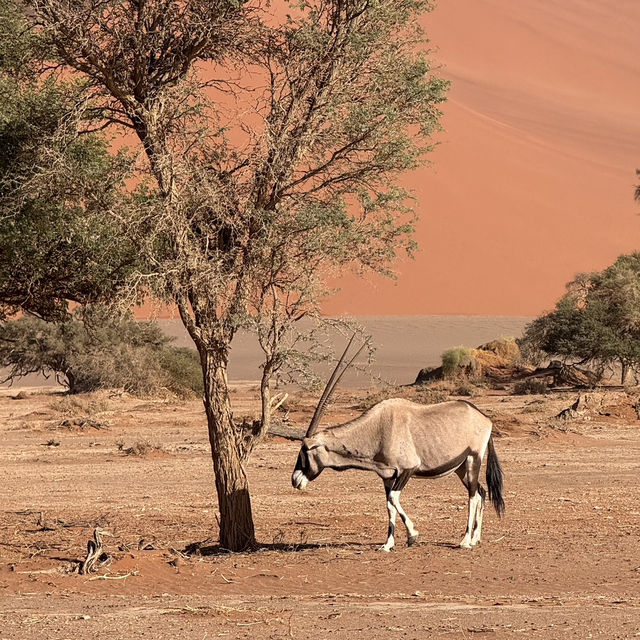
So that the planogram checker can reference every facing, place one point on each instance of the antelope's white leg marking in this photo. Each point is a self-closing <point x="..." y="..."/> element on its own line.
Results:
<point x="477" y="532"/>
<point x="474" y="500"/>
<point x="412" y="532"/>
<point x="390" y="543"/>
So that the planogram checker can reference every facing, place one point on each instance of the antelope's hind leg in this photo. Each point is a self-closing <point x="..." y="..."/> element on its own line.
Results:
<point x="477" y="531"/>
<point x="469" y="473"/>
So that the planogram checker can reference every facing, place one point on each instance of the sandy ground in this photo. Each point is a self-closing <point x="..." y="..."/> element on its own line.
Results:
<point x="563" y="563"/>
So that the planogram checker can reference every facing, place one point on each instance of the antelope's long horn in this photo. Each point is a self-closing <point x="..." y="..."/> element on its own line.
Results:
<point x="331" y="385"/>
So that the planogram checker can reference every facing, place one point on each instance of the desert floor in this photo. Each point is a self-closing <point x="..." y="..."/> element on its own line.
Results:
<point x="563" y="563"/>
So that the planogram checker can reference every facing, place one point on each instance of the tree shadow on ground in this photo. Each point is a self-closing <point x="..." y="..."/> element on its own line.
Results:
<point x="210" y="548"/>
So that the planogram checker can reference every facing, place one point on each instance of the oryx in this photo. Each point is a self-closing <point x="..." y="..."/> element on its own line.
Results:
<point x="399" y="439"/>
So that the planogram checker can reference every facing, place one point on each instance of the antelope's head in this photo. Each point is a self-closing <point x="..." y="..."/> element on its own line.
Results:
<point x="309" y="464"/>
<point x="313" y="453"/>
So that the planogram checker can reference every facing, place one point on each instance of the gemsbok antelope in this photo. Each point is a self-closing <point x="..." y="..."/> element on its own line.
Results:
<point x="399" y="439"/>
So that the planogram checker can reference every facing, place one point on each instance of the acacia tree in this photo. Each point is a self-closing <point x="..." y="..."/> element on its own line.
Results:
<point x="596" y="322"/>
<point x="270" y="148"/>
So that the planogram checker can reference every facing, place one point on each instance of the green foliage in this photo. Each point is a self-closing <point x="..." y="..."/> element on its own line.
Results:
<point x="455" y="359"/>
<point x="58" y="189"/>
<point x="20" y="45"/>
<point x="597" y="321"/>
<point x="93" y="351"/>
<point x="183" y="370"/>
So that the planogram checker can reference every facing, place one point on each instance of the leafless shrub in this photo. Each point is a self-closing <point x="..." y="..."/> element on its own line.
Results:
<point x="464" y="389"/>
<point x="427" y="395"/>
<point x="530" y="387"/>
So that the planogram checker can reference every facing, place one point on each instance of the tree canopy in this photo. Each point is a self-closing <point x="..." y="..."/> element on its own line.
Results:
<point x="57" y="186"/>
<point x="596" y="322"/>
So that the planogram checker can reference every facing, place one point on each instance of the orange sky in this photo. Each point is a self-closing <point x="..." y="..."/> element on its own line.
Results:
<point x="533" y="181"/>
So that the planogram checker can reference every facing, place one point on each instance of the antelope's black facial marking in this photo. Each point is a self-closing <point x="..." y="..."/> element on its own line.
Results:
<point x="300" y="476"/>
<point x="301" y="462"/>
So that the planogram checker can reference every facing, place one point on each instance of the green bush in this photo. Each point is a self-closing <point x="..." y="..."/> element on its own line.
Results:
<point x="455" y="359"/>
<point x="182" y="367"/>
<point x="596" y="322"/>
<point x="94" y="351"/>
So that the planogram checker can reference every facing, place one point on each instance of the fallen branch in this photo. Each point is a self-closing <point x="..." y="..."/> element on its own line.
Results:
<point x="106" y="576"/>
<point x="286" y="432"/>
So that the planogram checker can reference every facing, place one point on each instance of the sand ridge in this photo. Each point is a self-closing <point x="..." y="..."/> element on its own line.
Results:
<point x="533" y="179"/>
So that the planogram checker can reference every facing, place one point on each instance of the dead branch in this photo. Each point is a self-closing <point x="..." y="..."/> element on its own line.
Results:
<point x="95" y="553"/>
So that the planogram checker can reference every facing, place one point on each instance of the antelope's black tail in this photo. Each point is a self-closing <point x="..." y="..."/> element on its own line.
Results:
<point x="495" y="479"/>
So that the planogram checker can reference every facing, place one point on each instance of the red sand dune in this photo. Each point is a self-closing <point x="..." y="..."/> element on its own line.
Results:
<point x="533" y="181"/>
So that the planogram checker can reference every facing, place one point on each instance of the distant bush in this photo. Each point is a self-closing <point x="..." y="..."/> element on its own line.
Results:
<point x="464" y="389"/>
<point x="87" y="405"/>
<point x="453" y="360"/>
<point x="595" y="323"/>
<point x="529" y="387"/>
<point x="94" y="351"/>
<point x="374" y="397"/>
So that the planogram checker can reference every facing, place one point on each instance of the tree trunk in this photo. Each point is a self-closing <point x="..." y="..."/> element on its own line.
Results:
<point x="236" y="519"/>
<point x="71" y="381"/>
<point x="624" y="372"/>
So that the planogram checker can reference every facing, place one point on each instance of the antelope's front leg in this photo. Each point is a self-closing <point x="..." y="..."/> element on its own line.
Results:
<point x="390" y="543"/>
<point x="412" y="532"/>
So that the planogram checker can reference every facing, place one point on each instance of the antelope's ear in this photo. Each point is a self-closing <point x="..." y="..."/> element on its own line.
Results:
<point x="310" y="443"/>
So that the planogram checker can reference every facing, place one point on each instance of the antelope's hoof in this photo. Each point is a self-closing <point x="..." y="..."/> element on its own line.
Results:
<point x="413" y="540"/>
<point x="385" y="549"/>
<point x="465" y="545"/>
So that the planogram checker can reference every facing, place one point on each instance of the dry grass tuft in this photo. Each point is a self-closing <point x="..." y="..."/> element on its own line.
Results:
<point x="141" y="448"/>
<point x="86" y="404"/>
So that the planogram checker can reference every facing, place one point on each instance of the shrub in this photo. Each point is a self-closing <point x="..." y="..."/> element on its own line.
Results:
<point x="80" y="406"/>
<point x="530" y="386"/>
<point x="140" y="448"/>
<point x="182" y="369"/>
<point x="426" y="395"/>
<point x="374" y="397"/>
